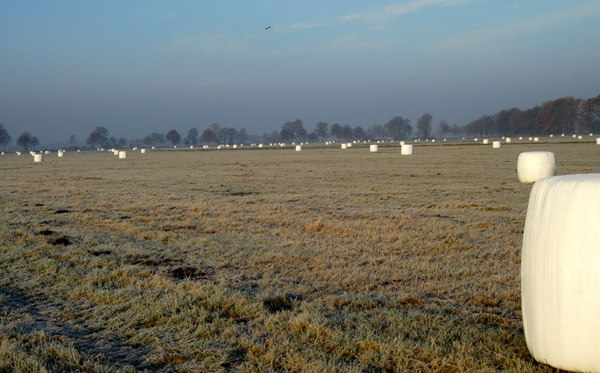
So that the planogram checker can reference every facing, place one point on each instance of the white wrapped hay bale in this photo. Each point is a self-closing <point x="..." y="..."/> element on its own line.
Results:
<point x="598" y="141"/>
<point x="344" y="146"/>
<point x="532" y="166"/>
<point x="406" y="149"/>
<point x="486" y="141"/>
<point x="536" y="139"/>
<point x="373" y="148"/>
<point x="143" y="151"/>
<point x="60" y="154"/>
<point x="260" y="145"/>
<point x="349" y="144"/>
<point x="402" y="143"/>
<point x="580" y="137"/>
<point x="298" y="148"/>
<point x="560" y="267"/>
<point x="496" y="145"/>
<point x="508" y="139"/>
<point x="122" y="154"/>
<point x="38" y="158"/>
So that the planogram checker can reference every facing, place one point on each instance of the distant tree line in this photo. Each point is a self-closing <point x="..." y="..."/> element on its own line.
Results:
<point x="26" y="140"/>
<point x="563" y="115"/>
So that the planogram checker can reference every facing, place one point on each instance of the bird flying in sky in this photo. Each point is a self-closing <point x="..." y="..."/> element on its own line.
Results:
<point x="268" y="27"/>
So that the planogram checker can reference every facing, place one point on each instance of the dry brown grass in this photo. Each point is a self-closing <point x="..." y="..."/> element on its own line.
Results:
<point x="323" y="260"/>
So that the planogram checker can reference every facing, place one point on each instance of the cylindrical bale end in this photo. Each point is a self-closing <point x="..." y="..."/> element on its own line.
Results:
<point x="406" y="149"/>
<point x="532" y="166"/>
<point x="559" y="272"/>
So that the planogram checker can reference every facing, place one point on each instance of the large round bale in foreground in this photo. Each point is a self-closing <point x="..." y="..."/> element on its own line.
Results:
<point x="532" y="166"/>
<point x="560" y="272"/>
<point x="406" y="149"/>
<point x="122" y="154"/>
<point x="373" y="148"/>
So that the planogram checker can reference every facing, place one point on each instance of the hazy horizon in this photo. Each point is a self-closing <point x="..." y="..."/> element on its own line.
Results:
<point x="69" y="66"/>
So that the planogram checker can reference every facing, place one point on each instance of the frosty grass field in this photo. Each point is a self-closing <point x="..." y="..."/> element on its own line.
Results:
<point x="271" y="259"/>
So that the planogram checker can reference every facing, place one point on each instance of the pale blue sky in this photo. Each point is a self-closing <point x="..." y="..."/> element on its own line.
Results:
<point x="145" y="66"/>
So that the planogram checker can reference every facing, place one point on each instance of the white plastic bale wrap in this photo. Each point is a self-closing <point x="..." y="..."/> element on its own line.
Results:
<point x="508" y="139"/>
<point x="598" y="141"/>
<point x="373" y="148"/>
<point x="406" y="149"/>
<point x="143" y="151"/>
<point x="38" y="158"/>
<point x="344" y="146"/>
<point x="486" y="141"/>
<point x="532" y="166"/>
<point x="496" y="145"/>
<point x="60" y="154"/>
<point x="560" y="272"/>
<point x="122" y="154"/>
<point x="298" y="148"/>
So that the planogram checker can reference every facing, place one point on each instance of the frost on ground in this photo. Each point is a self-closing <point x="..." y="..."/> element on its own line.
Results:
<point x="253" y="260"/>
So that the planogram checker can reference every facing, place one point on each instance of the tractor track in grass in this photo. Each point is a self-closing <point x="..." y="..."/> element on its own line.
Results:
<point x="31" y="313"/>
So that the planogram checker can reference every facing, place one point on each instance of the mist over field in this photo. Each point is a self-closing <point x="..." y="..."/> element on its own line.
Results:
<point x="149" y="66"/>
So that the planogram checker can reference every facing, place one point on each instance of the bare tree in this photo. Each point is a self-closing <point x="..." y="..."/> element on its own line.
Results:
<point x="424" y="125"/>
<point x="321" y="130"/>
<point x="4" y="137"/>
<point x="98" y="137"/>
<point x="173" y="137"/>
<point x="192" y="136"/>
<point x="27" y="140"/>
